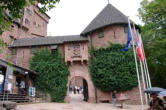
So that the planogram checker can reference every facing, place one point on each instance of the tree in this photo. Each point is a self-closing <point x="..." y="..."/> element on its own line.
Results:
<point x="113" y="69"/>
<point x="15" y="9"/>
<point x="153" y="14"/>
<point x="52" y="74"/>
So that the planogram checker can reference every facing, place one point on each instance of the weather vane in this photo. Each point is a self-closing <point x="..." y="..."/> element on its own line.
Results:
<point x="108" y="1"/>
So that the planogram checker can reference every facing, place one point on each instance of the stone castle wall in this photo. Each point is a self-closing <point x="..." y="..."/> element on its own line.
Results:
<point x="133" y="95"/>
<point x="33" y="24"/>
<point x="114" y="34"/>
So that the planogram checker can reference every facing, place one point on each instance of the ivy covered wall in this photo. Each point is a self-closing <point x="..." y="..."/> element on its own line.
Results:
<point x="113" y="69"/>
<point x="52" y="74"/>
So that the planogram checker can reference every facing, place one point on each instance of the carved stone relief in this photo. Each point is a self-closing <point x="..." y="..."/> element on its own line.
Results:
<point x="76" y="52"/>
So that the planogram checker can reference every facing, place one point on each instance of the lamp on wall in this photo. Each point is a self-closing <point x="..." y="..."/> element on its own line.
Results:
<point x="26" y="83"/>
<point x="26" y="72"/>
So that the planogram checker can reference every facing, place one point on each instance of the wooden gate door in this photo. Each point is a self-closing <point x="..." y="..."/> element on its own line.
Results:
<point x="85" y="90"/>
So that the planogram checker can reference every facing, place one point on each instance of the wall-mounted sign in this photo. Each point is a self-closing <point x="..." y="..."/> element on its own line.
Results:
<point x="32" y="91"/>
<point x="9" y="86"/>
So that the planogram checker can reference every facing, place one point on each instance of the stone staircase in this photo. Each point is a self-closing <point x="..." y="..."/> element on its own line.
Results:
<point x="19" y="98"/>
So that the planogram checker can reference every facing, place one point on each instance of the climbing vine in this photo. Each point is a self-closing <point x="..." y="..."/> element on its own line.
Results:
<point x="113" y="69"/>
<point x="52" y="74"/>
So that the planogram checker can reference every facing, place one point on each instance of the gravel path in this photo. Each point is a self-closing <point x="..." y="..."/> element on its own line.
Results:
<point x="75" y="104"/>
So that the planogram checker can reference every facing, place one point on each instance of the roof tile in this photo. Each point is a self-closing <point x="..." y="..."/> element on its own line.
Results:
<point x="46" y="40"/>
<point x="109" y="15"/>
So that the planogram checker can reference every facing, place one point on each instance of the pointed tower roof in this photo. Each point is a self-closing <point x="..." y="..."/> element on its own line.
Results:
<point x="109" y="15"/>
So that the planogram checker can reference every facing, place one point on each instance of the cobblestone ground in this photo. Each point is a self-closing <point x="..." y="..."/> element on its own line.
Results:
<point x="75" y="104"/>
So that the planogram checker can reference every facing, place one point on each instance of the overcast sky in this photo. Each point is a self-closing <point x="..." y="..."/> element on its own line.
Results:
<point x="70" y="17"/>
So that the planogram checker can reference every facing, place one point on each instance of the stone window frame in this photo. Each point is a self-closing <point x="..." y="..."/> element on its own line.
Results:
<point x="38" y="25"/>
<point x="14" y="51"/>
<point x="101" y="33"/>
<point x="27" y="21"/>
<point x="114" y="32"/>
<point x="23" y="53"/>
<point x="34" y="49"/>
<point x="11" y="37"/>
<point x="53" y="51"/>
<point x="28" y="11"/>
<point x="126" y="29"/>
<point x="12" y="26"/>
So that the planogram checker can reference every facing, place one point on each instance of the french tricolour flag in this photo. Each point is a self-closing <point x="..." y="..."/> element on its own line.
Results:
<point x="140" y="49"/>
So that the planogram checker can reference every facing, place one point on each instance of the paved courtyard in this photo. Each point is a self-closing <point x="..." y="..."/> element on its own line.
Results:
<point x="75" y="104"/>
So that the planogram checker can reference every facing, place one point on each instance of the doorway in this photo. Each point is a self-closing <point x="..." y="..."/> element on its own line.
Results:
<point x="78" y="89"/>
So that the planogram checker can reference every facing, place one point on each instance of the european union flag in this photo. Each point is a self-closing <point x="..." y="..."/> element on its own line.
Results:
<point x="129" y="38"/>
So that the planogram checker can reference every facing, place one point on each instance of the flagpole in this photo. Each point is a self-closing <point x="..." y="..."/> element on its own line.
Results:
<point x="147" y="80"/>
<point x="146" y="67"/>
<point x="146" y="76"/>
<point x="143" y="59"/>
<point x="140" y="91"/>
<point x="143" y="79"/>
<point x="148" y="73"/>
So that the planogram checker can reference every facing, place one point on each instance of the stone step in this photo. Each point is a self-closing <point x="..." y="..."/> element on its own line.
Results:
<point x="19" y="98"/>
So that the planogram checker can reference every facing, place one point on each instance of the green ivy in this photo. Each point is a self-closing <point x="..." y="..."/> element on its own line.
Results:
<point x="52" y="74"/>
<point x="113" y="69"/>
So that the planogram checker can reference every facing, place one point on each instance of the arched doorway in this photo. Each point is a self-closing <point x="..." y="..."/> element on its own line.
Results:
<point x="78" y="89"/>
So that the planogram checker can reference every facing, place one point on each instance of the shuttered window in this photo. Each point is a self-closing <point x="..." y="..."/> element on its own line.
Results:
<point x="100" y="33"/>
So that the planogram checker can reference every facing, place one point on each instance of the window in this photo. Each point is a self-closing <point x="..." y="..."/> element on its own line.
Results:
<point x="125" y="29"/>
<point x="23" y="54"/>
<point x="11" y="37"/>
<point x="33" y="50"/>
<point x="28" y="11"/>
<point x="114" y="34"/>
<point x="14" y="51"/>
<point x="27" y="21"/>
<point x="12" y="26"/>
<point x="100" y="33"/>
<point x="53" y="51"/>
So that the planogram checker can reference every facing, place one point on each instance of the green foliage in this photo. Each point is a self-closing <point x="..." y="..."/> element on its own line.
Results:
<point x="113" y="69"/>
<point x="155" y="52"/>
<point x="52" y="74"/>
<point x="153" y="14"/>
<point x="15" y="8"/>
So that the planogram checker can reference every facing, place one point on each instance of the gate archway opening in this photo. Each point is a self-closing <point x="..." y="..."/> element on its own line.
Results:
<point x="78" y="89"/>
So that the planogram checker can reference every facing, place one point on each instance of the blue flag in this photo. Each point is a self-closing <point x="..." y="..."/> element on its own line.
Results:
<point x="129" y="38"/>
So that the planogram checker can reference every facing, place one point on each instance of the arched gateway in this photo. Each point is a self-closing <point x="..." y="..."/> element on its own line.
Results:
<point x="82" y="86"/>
<point x="79" y="76"/>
